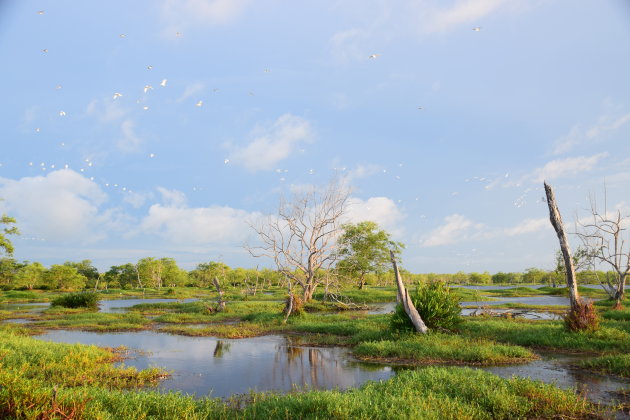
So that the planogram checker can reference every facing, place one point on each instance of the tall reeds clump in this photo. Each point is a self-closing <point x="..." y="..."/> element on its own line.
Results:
<point x="87" y="300"/>
<point x="582" y="317"/>
<point x="437" y="305"/>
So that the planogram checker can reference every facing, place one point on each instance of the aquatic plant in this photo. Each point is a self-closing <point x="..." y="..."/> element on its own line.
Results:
<point x="87" y="300"/>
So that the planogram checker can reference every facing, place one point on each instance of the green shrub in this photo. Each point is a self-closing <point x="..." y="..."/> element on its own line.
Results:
<point x="437" y="305"/>
<point x="78" y="300"/>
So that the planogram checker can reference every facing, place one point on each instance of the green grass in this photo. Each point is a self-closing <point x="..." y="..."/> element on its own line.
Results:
<point x="548" y="335"/>
<point x="101" y="322"/>
<point x="443" y="348"/>
<point x="48" y="380"/>
<point x="616" y="364"/>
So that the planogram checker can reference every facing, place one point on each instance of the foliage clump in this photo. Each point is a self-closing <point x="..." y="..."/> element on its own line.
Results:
<point x="87" y="300"/>
<point x="437" y="305"/>
<point x="582" y="317"/>
<point x="294" y="305"/>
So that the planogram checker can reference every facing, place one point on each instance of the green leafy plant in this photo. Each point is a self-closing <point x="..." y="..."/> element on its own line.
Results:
<point x="78" y="300"/>
<point x="437" y="305"/>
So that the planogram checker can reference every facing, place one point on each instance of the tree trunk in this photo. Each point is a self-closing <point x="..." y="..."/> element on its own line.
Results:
<point x="556" y="222"/>
<point x="403" y="296"/>
<point x="220" y="301"/>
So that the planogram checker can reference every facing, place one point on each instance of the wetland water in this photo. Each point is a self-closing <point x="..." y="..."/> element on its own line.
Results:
<point x="223" y="367"/>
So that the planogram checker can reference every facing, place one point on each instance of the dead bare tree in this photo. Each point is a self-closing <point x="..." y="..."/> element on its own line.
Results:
<point x="301" y="238"/>
<point x="605" y="244"/>
<point x="556" y="222"/>
<point x="403" y="298"/>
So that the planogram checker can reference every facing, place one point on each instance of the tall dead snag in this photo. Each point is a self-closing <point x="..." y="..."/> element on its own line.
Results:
<point x="403" y="297"/>
<point x="220" y="301"/>
<point x="556" y="222"/>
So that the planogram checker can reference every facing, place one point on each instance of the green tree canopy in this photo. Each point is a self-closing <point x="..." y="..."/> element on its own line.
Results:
<point x="64" y="277"/>
<point x="5" y="244"/>
<point x="364" y="248"/>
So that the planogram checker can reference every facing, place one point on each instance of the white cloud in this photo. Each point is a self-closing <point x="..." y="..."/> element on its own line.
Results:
<point x="381" y="210"/>
<point x="107" y="110"/>
<point x="462" y="12"/>
<point x="362" y="171"/>
<point x="63" y="205"/>
<point x="455" y="228"/>
<point x="176" y="222"/>
<point x="605" y="125"/>
<point x="272" y="144"/>
<point x="565" y="167"/>
<point x="191" y="90"/>
<point x="179" y="15"/>
<point x="348" y="45"/>
<point x="527" y="226"/>
<point x="130" y="142"/>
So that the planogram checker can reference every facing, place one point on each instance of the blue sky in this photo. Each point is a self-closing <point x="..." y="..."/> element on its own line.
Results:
<point x="180" y="120"/>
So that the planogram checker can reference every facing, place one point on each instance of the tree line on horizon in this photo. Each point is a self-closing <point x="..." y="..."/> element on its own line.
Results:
<point x="164" y="272"/>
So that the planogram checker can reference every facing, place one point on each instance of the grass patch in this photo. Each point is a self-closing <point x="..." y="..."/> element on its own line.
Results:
<point x="241" y="330"/>
<point x="616" y="364"/>
<point x="548" y="335"/>
<point x="99" y="322"/>
<point x="443" y="348"/>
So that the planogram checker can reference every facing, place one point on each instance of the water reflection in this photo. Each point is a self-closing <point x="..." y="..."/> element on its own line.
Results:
<point x="201" y="365"/>
<point x="221" y="348"/>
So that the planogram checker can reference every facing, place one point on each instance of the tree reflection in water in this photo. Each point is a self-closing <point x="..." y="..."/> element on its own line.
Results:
<point x="221" y="348"/>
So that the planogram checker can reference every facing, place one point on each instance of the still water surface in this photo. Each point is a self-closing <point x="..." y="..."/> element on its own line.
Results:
<point x="221" y="367"/>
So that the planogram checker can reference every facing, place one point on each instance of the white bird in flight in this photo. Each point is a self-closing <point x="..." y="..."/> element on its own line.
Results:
<point x="163" y="83"/>
<point x="62" y="113"/>
<point x="373" y="55"/>
<point x="122" y="36"/>
<point x="226" y="161"/>
<point x="149" y="67"/>
<point x="117" y="95"/>
<point x="151" y="155"/>
<point x="145" y="107"/>
<point x="41" y="12"/>
<point x="200" y="103"/>
<point x="147" y="88"/>
<point x="477" y="29"/>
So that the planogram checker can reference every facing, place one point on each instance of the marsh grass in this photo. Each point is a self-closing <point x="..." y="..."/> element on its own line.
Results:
<point x="97" y="321"/>
<point x="443" y="348"/>
<point x="87" y="300"/>
<point x="548" y="335"/>
<point x="616" y="364"/>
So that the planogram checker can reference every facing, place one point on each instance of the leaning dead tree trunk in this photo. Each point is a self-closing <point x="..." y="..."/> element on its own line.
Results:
<point x="556" y="222"/>
<point x="220" y="301"/>
<point x="403" y="297"/>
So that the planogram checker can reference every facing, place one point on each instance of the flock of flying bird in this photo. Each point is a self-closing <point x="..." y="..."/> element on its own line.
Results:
<point x="199" y="103"/>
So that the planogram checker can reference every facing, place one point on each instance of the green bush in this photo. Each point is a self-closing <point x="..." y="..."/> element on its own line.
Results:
<point x="78" y="300"/>
<point x="437" y="305"/>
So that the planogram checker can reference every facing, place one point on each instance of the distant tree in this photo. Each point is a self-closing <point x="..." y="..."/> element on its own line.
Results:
<point x="64" y="277"/>
<point x="605" y="239"/>
<point x="5" y="244"/>
<point x="480" y="278"/>
<point x="30" y="276"/>
<point x="204" y="273"/>
<point x="172" y="275"/>
<point x="123" y="276"/>
<point x="364" y="248"/>
<point x="534" y="276"/>
<point x="86" y="269"/>
<point x="8" y="270"/>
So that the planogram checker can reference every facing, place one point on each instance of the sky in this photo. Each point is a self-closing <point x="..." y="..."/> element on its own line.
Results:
<point x="160" y="128"/>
